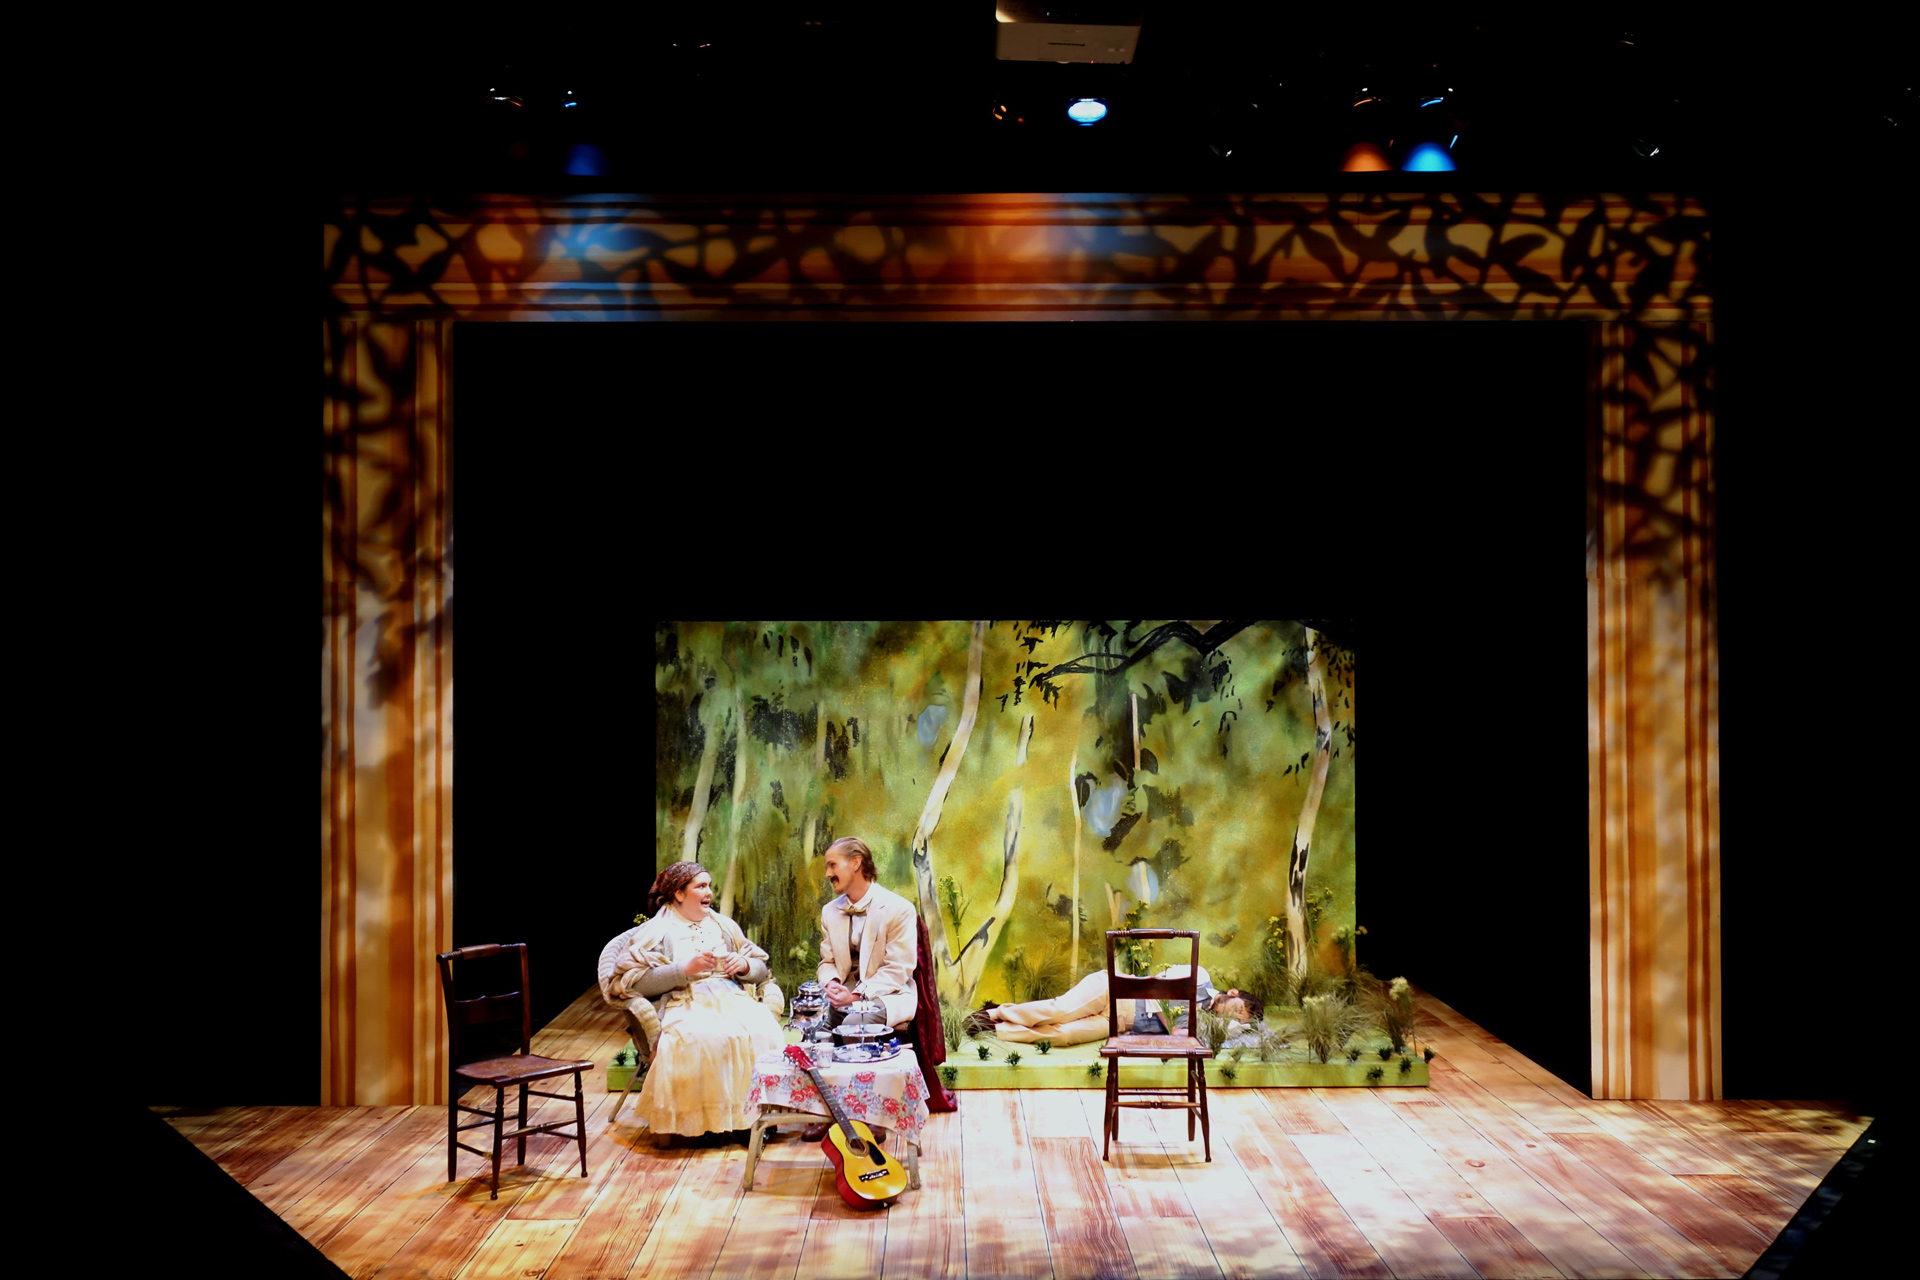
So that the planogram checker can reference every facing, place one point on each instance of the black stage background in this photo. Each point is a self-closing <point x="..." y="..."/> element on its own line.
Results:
<point x="1411" y="477"/>
<point x="550" y="652"/>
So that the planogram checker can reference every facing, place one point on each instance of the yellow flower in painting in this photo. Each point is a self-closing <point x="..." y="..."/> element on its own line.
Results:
<point x="1398" y="987"/>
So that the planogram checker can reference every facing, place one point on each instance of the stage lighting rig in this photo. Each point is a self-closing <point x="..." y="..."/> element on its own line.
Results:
<point x="1066" y="30"/>
<point x="1387" y="126"/>
<point x="521" y="92"/>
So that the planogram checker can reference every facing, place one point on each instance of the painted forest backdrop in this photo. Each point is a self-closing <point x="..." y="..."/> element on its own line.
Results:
<point x="991" y="766"/>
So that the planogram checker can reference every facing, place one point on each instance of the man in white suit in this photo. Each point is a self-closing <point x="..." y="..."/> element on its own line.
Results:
<point x="868" y="938"/>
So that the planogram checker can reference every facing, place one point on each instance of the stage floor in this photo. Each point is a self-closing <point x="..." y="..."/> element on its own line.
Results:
<point x="1497" y="1169"/>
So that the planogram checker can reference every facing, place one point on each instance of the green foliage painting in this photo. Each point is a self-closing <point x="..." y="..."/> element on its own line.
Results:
<point x="1030" y="784"/>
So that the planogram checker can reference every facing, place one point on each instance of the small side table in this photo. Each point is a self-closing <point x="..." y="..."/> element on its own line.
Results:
<point x="769" y="1119"/>
<point x="890" y="1097"/>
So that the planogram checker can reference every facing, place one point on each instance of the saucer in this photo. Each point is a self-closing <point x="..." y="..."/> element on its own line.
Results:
<point x="864" y="1053"/>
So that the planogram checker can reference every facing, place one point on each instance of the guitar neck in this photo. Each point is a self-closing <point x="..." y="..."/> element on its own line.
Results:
<point x="839" y="1116"/>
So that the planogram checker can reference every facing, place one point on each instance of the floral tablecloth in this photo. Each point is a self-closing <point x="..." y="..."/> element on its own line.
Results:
<point x="890" y="1094"/>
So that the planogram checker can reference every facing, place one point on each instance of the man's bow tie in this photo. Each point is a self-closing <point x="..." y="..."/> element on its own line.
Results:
<point x="856" y="909"/>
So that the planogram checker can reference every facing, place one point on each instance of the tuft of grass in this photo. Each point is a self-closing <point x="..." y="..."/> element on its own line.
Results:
<point x="1096" y="1069"/>
<point x="1035" y="978"/>
<point x="1228" y="1074"/>
<point x="1044" y="1046"/>
<point x="949" y="1074"/>
<point x="1385" y="1053"/>
<point x="953" y="1024"/>
<point x="1406" y="1066"/>
<point x="1376" y="1074"/>
<point x="1013" y="1059"/>
<point x="1213" y="1030"/>
<point x="1329" y="1020"/>
<point x="1427" y="1053"/>
<point x="986" y="1054"/>
<point x="1390" y="1005"/>
<point x="1353" y="1055"/>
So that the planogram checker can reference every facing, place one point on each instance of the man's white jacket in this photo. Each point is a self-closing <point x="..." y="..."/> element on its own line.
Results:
<point x="889" y="949"/>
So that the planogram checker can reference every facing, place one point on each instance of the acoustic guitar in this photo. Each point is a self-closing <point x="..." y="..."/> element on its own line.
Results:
<point x="867" y="1176"/>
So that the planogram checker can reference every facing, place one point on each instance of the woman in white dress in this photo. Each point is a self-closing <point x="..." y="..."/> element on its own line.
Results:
<point x="696" y="964"/>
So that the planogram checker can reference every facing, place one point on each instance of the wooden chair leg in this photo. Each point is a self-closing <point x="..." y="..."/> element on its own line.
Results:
<point x="499" y="1113"/>
<point x="453" y="1126"/>
<point x="523" y="1124"/>
<point x="1112" y="1127"/>
<point x="580" y="1121"/>
<point x="1191" y="1066"/>
<point x="1206" y="1126"/>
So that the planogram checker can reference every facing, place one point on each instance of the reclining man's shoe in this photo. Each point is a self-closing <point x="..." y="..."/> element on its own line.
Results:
<point x="978" y="1023"/>
<point x="814" y="1132"/>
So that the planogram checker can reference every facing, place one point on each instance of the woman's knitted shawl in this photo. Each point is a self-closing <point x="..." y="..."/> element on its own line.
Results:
<point x="652" y="947"/>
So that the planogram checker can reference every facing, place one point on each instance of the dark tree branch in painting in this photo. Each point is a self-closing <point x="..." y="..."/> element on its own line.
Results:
<point x="1112" y="664"/>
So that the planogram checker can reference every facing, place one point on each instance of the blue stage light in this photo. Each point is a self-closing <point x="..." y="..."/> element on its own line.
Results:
<point x="586" y="160"/>
<point x="1087" y="111"/>
<point x="1429" y="157"/>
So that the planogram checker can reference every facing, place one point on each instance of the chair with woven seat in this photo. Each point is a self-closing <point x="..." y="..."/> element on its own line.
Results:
<point x="1120" y="1046"/>
<point x="474" y="1063"/>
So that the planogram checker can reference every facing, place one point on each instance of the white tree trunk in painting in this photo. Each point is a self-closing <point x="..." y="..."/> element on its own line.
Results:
<point x="1297" y="940"/>
<point x="739" y="797"/>
<point x="974" y="951"/>
<point x="925" y="883"/>
<point x="819" y="758"/>
<point x="690" y="843"/>
<point x="1073" y="803"/>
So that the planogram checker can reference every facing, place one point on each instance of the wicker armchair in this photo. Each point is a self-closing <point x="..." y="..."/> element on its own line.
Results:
<point x="643" y="1014"/>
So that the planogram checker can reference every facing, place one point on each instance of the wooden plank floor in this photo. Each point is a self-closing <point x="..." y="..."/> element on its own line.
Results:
<point x="1498" y="1170"/>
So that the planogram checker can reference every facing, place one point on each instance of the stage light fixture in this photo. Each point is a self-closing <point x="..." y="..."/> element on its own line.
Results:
<point x="1085" y="111"/>
<point x="1364" y="157"/>
<point x="1429" y="157"/>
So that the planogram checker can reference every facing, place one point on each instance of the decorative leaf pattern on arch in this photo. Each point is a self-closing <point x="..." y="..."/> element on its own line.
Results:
<point x="1005" y="256"/>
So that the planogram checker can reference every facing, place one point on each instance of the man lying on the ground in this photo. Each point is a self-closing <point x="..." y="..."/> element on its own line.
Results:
<point x="1080" y="1015"/>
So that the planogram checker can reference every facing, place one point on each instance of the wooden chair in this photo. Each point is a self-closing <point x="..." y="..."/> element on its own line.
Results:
<point x="472" y="1064"/>
<point x="1119" y="1046"/>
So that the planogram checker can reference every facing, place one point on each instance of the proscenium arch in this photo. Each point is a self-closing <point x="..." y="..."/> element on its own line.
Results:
<point x="398" y="273"/>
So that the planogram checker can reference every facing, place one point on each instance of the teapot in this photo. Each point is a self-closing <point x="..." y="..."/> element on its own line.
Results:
<point x="809" y="1007"/>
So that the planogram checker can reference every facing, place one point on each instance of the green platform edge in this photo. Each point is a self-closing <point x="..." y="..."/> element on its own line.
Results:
<point x="1148" y="1074"/>
<point x="1034" y="1072"/>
